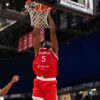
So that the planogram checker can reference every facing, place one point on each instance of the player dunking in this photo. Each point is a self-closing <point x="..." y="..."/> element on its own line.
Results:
<point x="45" y="65"/>
<point x="6" y="89"/>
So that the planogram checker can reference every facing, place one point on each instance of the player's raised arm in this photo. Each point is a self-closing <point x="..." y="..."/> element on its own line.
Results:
<point x="53" y="36"/>
<point x="6" y="89"/>
<point x="36" y="40"/>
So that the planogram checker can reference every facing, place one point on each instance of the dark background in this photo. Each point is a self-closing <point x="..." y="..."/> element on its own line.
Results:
<point x="79" y="62"/>
<point x="79" y="50"/>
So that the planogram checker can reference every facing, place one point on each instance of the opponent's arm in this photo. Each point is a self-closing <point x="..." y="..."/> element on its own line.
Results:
<point x="6" y="89"/>
<point x="53" y="36"/>
<point x="36" y="40"/>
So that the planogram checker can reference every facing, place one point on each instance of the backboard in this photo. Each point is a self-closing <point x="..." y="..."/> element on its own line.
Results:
<point x="89" y="7"/>
<point x="85" y="6"/>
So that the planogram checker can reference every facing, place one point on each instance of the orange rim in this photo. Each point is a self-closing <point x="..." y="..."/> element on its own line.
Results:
<point x="42" y="8"/>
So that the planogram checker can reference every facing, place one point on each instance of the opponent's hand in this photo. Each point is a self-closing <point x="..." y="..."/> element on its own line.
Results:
<point x="15" y="78"/>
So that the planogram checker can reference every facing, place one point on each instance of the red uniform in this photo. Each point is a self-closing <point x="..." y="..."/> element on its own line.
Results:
<point x="45" y="66"/>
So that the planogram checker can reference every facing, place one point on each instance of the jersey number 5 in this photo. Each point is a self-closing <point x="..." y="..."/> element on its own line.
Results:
<point x="43" y="58"/>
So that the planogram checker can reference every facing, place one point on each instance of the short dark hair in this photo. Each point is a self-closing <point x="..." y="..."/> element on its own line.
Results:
<point x="46" y="44"/>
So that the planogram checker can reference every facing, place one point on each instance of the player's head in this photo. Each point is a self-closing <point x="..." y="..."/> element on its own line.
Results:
<point x="46" y="44"/>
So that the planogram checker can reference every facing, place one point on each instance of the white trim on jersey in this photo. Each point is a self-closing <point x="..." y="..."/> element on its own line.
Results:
<point x="42" y="48"/>
<point x="37" y="98"/>
<point x="45" y="79"/>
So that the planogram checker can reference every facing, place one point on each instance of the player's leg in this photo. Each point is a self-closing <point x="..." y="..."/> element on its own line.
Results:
<point x="37" y="92"/>
<point x="51" y="91"/>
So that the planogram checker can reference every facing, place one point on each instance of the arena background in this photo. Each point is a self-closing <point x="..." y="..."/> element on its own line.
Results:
<point x="79" y="50"/>
<point x="78" y="63"/>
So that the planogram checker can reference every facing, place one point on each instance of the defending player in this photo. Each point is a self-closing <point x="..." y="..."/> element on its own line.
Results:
<point x="45" y="65"/>
<point x="6" y="89"/>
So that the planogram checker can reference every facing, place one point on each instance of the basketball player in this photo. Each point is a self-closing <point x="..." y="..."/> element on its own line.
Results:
<point x="45" y="65"/>
<point x="6" y="89"/>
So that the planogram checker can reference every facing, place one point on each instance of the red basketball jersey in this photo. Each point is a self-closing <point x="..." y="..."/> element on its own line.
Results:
<point x="45" y="63"/>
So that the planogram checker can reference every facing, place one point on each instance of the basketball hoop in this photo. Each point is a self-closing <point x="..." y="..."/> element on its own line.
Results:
<point x="38" y="14"/>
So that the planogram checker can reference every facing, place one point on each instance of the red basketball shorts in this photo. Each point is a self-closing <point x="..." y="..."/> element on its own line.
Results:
<point x="44" y="89"/>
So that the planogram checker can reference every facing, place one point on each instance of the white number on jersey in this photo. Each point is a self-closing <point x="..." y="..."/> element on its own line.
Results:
<point x="43" y="58"/>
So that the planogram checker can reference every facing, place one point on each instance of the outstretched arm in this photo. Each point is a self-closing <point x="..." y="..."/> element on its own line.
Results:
<point x="53" y="36"/>
<point x="6" y="89"/>
<point x="36" y="40"/>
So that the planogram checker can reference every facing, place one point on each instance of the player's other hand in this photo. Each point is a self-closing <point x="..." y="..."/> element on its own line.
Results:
<point x="49" y="9"/>
<point x="15" y="78"/>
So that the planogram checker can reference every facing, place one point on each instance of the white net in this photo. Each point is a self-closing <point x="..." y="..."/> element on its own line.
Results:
<point x="38" y="19"/>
